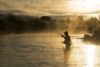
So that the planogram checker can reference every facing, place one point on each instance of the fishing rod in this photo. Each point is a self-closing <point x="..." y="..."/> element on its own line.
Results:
<point x="59" y="33"/>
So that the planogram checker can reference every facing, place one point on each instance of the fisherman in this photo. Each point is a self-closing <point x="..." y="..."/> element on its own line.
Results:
<point x="67" y="40"/>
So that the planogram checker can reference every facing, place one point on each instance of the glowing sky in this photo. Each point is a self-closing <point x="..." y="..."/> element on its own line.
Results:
<point x="57" y="7"/>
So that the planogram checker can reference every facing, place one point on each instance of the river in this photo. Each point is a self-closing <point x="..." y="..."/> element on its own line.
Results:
<point x="46" y="50"/>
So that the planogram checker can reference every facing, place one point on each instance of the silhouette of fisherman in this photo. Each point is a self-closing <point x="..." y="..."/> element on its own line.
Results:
<point x="67" y="40"/>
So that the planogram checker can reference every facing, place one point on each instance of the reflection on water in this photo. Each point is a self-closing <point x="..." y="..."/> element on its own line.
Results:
<point x="91" y="55"/>
<point x="81" y="54"/>
<point x="67" y="53"/>
<point x="46" y="51"/>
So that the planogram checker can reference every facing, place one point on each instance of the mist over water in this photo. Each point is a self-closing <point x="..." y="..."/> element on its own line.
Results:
<point x="29" y="41"/>
<point x="46" y="50"/>
<point x="32" y="33"/>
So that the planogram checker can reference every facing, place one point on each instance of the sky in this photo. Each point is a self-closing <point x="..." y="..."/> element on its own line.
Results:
<point x="50" y="7"/>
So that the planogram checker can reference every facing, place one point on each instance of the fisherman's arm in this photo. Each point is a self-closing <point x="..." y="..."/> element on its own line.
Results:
<point x="63" y="36"/>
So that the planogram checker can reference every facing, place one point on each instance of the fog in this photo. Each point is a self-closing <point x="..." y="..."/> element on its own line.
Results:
<point x="10" y="23"/>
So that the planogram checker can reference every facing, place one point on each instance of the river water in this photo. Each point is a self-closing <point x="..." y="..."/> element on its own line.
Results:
<point x="46" y="50"/>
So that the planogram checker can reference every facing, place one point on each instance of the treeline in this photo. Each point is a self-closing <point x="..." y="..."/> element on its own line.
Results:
<point x="93" y="26"/>
<point x="79" y="24"/>
<point x="10" y="23"/>
<point x="89" y="26"/>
